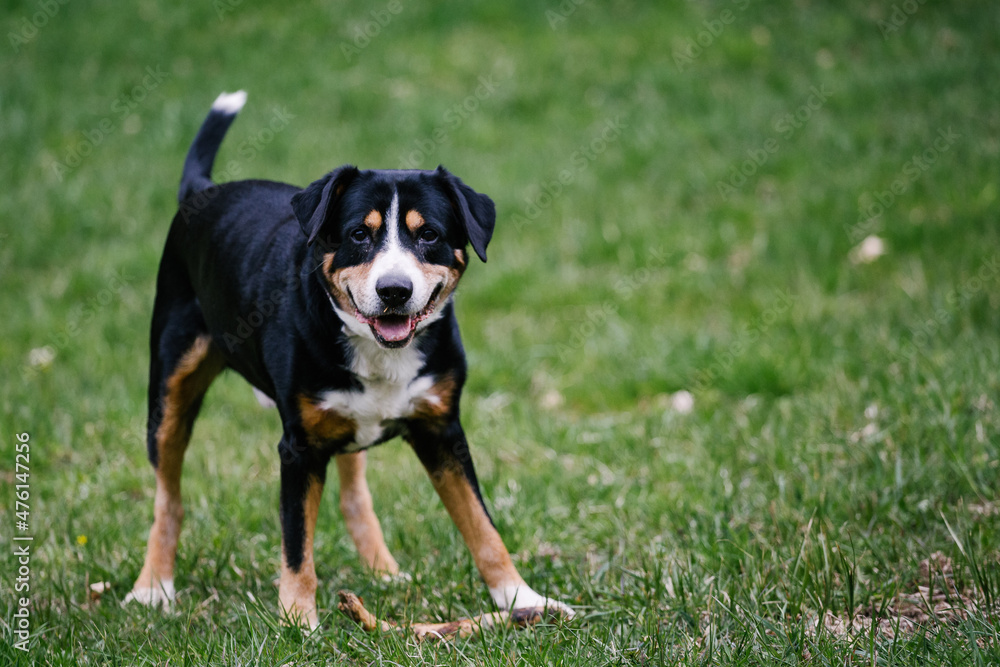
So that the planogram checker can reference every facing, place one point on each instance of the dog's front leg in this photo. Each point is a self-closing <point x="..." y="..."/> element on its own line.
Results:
<point x="363" y="525"/>
<point x="445" y="454"/>
<point x="302" y="479"/>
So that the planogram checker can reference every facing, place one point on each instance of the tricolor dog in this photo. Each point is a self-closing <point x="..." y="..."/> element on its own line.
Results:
<point x="359" y="345"/>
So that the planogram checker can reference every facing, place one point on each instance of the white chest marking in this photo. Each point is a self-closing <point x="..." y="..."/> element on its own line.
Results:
<point x="392" y="389"/>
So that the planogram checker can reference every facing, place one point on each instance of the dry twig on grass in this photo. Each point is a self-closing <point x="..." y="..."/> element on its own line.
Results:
<point x="352" y="606"/>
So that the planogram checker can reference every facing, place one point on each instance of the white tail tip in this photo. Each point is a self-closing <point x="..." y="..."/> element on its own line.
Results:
<point x="230" y="102"/>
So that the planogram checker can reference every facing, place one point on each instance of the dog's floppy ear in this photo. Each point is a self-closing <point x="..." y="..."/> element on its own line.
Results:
<point x="312" y="205"/>
<point x="475" y="211"/>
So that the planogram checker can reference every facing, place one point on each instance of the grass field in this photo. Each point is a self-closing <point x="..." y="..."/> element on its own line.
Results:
<point x="684" y="193"/>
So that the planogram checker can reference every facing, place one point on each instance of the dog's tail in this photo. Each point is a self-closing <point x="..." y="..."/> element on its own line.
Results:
<point x="198" y="164"/>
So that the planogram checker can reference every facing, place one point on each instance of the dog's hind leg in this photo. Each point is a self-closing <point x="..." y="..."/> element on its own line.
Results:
<point x="359" y="514"/>
<point x="184" y="361"/>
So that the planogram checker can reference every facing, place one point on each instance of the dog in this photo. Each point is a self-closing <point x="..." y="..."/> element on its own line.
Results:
<point x="335" y="303"/>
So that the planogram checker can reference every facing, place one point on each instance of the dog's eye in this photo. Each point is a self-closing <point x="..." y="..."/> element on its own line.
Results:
<point x="428" y="236"/>
<point x="359" y="235"/>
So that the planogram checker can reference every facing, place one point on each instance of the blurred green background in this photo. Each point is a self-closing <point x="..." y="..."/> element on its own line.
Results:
<point x="787" y="210"/>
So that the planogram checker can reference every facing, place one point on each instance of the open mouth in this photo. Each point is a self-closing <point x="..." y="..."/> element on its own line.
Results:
<point x="393" y="329"/>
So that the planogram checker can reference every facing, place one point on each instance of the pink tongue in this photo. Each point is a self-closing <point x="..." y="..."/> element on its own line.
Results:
<point x="392" y="328"/>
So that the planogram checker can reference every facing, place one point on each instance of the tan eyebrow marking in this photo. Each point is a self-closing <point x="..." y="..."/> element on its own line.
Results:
<point x="414" y="221"/>
<point x="373" y="220"/>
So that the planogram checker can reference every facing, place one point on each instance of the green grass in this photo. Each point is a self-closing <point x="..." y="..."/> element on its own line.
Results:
<point x="845" y="423"/>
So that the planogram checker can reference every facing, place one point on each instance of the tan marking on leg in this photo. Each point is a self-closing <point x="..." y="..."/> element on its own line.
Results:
<point x="488" y="550"/>
<point x="373" y="221"/>
<point x="359" y="514"/>
<point x="414" y="221"/>
<point x="438" y="401"/>
<point x="297" y="590"/>
<point x="188" y="383"/>
<point x="324" y="426"/>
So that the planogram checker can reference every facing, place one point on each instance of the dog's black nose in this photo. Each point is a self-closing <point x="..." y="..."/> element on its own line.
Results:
<point x="394" y="290"/>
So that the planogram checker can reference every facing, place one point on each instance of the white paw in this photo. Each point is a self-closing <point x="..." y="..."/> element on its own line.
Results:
<point x="521" y="596"/>
<point x="163" y="595"/>
<point x="307" y="622"/>
<point x="298" y="616"/>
